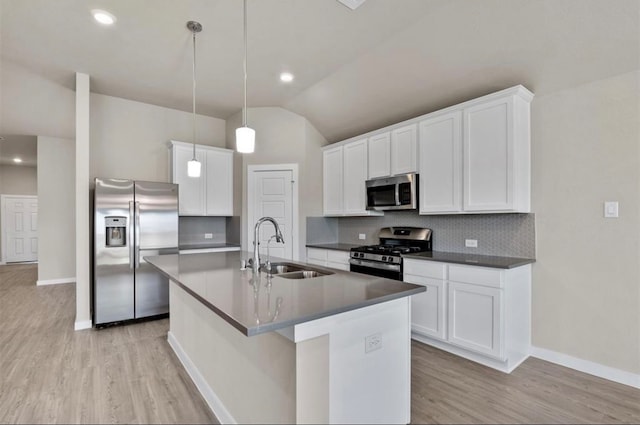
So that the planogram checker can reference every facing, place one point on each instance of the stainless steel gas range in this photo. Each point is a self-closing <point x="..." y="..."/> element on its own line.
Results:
<point x="385" y="259"/>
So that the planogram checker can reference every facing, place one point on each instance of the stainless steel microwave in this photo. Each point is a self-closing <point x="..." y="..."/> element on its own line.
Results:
<point x="393" y="193"/>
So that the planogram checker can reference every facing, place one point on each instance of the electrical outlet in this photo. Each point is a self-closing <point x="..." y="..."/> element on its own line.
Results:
<point x="471" y="243"/>
<point x="208" y="235"/>
<point x="362" y="236"/>
<point x="372" y="342"/>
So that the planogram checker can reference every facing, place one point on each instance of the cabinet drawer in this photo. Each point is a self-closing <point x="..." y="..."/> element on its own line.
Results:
<point x="476" y="275"/>
<point x="338" y="257"/>
<point x="317" y="254"/>
<point x="424" y="268"/>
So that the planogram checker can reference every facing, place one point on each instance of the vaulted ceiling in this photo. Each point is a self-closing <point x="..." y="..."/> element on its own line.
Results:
<point x="354" y="70"/>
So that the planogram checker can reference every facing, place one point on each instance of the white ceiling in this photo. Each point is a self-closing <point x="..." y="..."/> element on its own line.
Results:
<point x="24" y="147"/>
<point x="355" y="71"/>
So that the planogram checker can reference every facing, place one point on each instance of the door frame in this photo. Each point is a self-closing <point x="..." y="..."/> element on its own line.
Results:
<point x="295" y="218"/>
<point x="3" y="233"/>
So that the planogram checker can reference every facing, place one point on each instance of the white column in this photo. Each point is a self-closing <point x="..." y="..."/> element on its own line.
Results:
<point x="83" y="247"/>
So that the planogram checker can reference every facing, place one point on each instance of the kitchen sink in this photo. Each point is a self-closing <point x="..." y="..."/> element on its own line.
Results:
<point x="295" y="271"/>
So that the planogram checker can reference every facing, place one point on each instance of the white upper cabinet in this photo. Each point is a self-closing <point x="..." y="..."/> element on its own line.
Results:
<point x="211" y="194"/>
<point x="380" y="155"/>
<point x="475" y="157"/>
<point x="355" y="175"/>
<point x="403" y="150"/>
<point x="219" y="182"/>
<point x="344" y="176"/>
<point x="441" y="164"/>
<point x="333" y="181"/>
<point x="497" y="155"/>
<point x="393" y="152"/>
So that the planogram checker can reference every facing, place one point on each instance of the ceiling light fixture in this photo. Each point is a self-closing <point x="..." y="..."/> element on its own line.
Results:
<point x="17" y="160"/>
<point x="194" y="166"/>
<point x="103" y="17"/>
<point x="286" y="77"/>
<point x="245" y="136"/>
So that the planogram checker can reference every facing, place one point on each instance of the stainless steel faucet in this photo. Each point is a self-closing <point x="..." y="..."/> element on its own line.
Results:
<point x="256" y="241"/>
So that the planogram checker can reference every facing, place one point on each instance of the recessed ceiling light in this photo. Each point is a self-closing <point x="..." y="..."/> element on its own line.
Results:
<point x="17" y="160"/>
<point x="103" y="16"/>
<point x="286" y="77"/>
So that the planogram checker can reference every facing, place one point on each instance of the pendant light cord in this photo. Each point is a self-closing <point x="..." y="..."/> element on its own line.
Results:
<point x="194" y="94"/>
<point x="244" y="109"/>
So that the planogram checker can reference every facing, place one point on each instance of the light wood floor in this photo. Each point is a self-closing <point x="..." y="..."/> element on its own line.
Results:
<point x="52" y="374"/>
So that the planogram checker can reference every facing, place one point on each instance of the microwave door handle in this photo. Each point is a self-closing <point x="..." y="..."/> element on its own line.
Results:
<point x="397" y="193"/>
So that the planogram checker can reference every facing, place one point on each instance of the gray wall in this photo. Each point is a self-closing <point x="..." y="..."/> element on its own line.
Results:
<point x="18" y="180"/>
<point x="193" y="229"/>
<point x="586" y="282"/>
<point x="56" y="217"/>
<point x="282" y="137"/>
<point x="129" y="139"/>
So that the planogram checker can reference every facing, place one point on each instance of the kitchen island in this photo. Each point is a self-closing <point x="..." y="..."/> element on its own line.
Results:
<point x="330" y="349"/>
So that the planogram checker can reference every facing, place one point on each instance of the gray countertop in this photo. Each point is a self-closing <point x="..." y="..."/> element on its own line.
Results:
<point x="208" y="246"/>
<point x="471" y="260"/>
<point x="265" y="305"/>
<point x="334" y="246"/>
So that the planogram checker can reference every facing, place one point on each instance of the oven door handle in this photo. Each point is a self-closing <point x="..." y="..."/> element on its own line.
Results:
<point x="375" y="265"/>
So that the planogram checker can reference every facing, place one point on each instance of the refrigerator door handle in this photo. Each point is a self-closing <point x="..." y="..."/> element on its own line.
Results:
<point x="137" y="240"/>
<point x="131" y="238"/>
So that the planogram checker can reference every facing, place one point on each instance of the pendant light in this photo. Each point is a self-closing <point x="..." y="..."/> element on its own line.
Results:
<point x="245" y="136"/>
<point x="194" y="166"/>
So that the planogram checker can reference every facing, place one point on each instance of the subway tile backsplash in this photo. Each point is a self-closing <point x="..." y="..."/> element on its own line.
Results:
<point x="510" y="235"/>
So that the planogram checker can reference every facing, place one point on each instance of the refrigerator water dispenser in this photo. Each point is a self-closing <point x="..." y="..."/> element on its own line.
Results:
<point x="116" y="231"/>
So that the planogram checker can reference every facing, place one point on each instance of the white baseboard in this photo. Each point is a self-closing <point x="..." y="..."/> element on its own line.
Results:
<point x="83" y="324"/>
<point x="212" y="399"/>
<point x="56" y="281"/>
<point x="586" y="366"/>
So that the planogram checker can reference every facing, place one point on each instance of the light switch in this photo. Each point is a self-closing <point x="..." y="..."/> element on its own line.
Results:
<point x="611" y="209"/>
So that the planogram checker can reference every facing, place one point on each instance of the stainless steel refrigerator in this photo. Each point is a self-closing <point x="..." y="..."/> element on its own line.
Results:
<point x="132" y="219"/>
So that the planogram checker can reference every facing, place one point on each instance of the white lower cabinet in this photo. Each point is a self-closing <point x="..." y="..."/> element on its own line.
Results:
<point x="475" y="318"/>
<point x="480" y="313"/>
<point x="328" y="258"/>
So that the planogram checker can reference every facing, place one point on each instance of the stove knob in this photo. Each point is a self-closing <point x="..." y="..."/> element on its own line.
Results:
<point x="391" y="259"/>
<point x="361" y="254"/>
<point x="384" y="258"/>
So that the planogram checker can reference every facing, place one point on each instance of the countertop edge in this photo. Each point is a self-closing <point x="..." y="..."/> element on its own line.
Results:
<point x="346" y="247"/>
<point x="472" y="261"/>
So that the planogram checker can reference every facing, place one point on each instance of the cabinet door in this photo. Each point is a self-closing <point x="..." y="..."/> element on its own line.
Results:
<point x="403" y="150"/>
<point x="428" y="309"/>
<point x="489" y="156"/>
<point x="440" y="150"/>
<point x="219" y="182"/>
<point x="191" y="189"/>
<point x="355" y="175"/>
<point x="332" y="179"/>
<point x="317" y="256"/>
<point x="475" y="315"/>
<point x="380" y="155"/>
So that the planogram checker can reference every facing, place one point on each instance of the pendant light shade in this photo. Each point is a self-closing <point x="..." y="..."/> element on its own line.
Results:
<point x="245" y="139"/>
<point x="245" y="136"/>
<point x="194" y="166"/>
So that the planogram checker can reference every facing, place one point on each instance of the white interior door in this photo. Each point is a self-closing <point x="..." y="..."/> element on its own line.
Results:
<point x="20" y="228"/>
<point x="272" y="196"/>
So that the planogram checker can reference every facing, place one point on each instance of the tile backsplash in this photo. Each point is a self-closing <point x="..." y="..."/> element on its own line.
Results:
<point x="511" y="235"/>
<point x="193" y="229"/>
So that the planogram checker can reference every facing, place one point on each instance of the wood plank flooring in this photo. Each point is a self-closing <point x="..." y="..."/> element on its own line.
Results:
<point x="51" y="374"/>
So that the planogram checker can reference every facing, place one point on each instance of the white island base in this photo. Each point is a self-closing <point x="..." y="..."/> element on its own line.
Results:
<point x="352" y="367"/>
